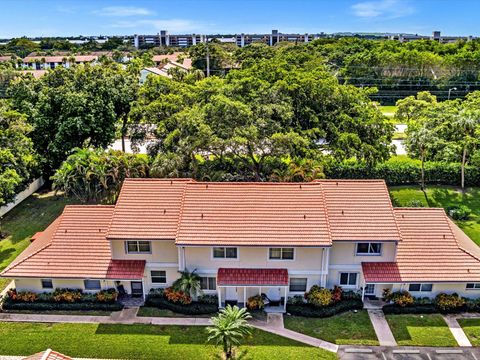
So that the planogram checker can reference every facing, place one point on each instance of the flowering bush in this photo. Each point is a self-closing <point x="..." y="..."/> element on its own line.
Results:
<point x="23" y="296"/>
<point x="449" y="302"/>
<point x="400" y="298"/>
<point x="255" y="303"/>
<point x="319" y="296"/>
<point x="109" y="295"/>
<point x="67" y="295"/>
<point x="177" y="296"/>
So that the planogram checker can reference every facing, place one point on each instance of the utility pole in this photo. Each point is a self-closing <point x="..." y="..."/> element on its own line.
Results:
<point x="208" y="57"/>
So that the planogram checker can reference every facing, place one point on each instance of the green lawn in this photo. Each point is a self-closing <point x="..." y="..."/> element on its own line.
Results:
<point x="346" y="328"/>
<point x="141" y="341"/>
<point x="388" y="111"/>
<point x="155" y="312"/>
<point x="32" y="215"/>
<point x="472" y="330"/>
<point x="399" y="136"/>
<point x="443" y="196"/>
<point x="420" y="330"/>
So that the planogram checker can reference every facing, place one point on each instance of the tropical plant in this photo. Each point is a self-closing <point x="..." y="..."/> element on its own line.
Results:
<point x="255" y="303"/>
<point x="189" y="283"/>
<point x="228" y="328"/>
<point x="319" y="296"/>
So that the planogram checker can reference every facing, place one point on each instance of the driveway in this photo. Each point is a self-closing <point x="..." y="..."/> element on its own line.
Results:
<point x="407" y="353"/>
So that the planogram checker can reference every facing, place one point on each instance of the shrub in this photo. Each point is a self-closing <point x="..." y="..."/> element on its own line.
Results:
<point x="400" y="298"/>
<point x="449" y="303"/>
<point x="175" y="296"/>
<point x="255" y="303"/>
<point x="459" y="212"/>
<point x="308" y="310"/>
<point x="319" y="296"/>
<point x="415" y="203"/>
<point x="156" y="293"/>
<point x="413" y="309"/>
<point x="296" y="300"/>
<point x="67" y="295"/>
<point x="9" y="304"/>
<point x="208" y="299"/>
<point x="351" y="295"/>
<point x="107" y="296"/>
<point x="337" y="294"/>
<point x="22" y="296"/>
<point x="194" y="308"/>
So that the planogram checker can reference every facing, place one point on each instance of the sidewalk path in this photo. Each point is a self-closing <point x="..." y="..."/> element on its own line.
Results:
<point x="457" y="330"/>
<point x="380" y="324"/>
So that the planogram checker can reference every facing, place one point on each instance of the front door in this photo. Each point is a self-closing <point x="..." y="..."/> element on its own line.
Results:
<point x="231" y="296"/>
<point x="137" y="288"/>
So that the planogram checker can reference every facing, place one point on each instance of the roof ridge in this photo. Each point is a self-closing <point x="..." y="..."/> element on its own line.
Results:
<point x="349" y="180"/>
<point x="89" y="206"/>
<point x="447" y="219"/>
<point x="180" y="212"/>
<point x="393" y="213"/>
<point x="327" y="218"/>
<point x="115" y="208"/>
<point x="469" y="253"/>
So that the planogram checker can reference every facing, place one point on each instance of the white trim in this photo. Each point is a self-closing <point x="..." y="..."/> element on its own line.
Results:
<point x="307" y="272"/>
<point x="149" y="265"/>
<point x="474" y="288"/>
<point x="357" y="267"/>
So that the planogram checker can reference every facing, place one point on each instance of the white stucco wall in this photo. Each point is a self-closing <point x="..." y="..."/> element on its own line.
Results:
<point x="345" y="253"/>
<point x="163" y="251"/>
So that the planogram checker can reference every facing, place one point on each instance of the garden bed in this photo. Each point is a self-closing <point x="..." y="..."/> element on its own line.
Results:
<point x="307" y="310"/>
<point x="205" y="305"/>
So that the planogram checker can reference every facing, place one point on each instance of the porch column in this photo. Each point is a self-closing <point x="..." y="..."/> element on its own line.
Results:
<point x="244" y="296"/>
<point x="219" y="297"/>
<point x="285" y="301"/>
<point x="143" y="289"/>
<point x="260" y="291"/>
<point x="363" y="292"/>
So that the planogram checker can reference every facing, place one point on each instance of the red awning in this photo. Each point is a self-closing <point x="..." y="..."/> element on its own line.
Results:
<point x="252" y="277"/>
<point x="126" y="269"/>
<point x="381" y="272"/>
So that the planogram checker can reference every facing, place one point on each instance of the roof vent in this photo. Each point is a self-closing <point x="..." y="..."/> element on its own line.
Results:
<point x="99" y="230"/>
<point x="300" y="186"/>
<point x="336" y="183"/>
<point x="65" y="230"/>
<point x="206" y="186"/>
<point x="171" y="182"/>
<point x="164" y="211"/>
<point x="343" y="212"/>
<point x="304" y="216"/>
<point x="202" y="216"/>
<point x="444" y="236"/>
<point x="403" y="215"/>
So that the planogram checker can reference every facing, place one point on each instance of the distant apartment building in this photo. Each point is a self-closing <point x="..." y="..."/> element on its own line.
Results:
<point x="165" y="39"/>
<point x="436" y="36"/>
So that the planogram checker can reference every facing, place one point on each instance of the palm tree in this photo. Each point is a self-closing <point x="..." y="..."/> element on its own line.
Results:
<point x="188" y="282"/>
<point x="229" y="327"/>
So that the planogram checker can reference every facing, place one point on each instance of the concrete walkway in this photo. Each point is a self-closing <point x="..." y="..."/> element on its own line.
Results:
<point x="457" y="330"/>
<point x="380" y="324"/>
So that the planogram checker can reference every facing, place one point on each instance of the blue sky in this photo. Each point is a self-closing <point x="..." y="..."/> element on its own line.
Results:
<point x="110" y="17"/>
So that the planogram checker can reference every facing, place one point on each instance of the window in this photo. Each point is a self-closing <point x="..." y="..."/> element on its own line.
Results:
<point x="158" y="277"/>
<point x="47" y="284"/>
<point x="420" y="287"/>
<point x="225" y="253"/>
<point x="281" y="253"/>
<point x="137" y="247"/>
<point x="473" y="286"/>
<point x="348" y="279"/>
<point x="369" y="249"/>
<point x="208" y="283"/>
<point x="92" y="284"/>
<point x="298" y="284"/>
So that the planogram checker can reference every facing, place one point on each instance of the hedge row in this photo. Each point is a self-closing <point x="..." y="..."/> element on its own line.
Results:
<point x="470" y="306"/>
<point x="403" y="171"/>
<point x="308" y="310"/>
<point x="194" y="308"/>
<point x="8" y="304"/>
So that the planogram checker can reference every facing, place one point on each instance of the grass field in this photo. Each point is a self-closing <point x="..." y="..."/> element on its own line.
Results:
<point x="420" y="330"/>
<point x="155" y="312"/>
<point x="472" y="330"/>
<point x="388" y="111"/>
<point x="443" y="196"/>
<point x="141" y="341"/>
<point x="342" y="329"/>
<point x="32" y="215"/>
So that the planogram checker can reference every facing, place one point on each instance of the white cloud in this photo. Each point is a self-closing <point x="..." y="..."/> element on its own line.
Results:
<point x="388" y="9"/>
<point x="172" y="25"/>
<point x="123" y="11"/>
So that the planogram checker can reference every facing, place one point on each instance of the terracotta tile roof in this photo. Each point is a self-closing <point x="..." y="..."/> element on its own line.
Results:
<point x="147" y="209"/>
<point x="246" y="277"/>
<point x="360" y="210"/>
<point x="126" y="269"/>
<point x="73" y="246"/>
<point x="430" y="251"/>
<point x="253" y="214"/>
<point x="381" y="272"/>
<point x="48" y="354"/>
<point x="187" y="62"/>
